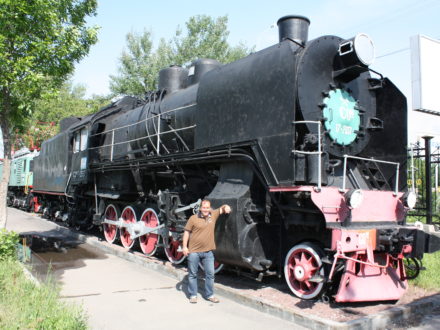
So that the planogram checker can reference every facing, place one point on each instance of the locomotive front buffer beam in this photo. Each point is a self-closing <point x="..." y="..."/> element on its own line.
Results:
<point x="374" y="260"/>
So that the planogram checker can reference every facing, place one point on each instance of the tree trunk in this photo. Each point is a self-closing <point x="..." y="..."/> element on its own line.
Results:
<point x="4" y="191"/>
<point x="4" y="124"/>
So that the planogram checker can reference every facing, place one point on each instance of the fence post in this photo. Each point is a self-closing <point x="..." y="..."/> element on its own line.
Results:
<point x="428" y="186"/>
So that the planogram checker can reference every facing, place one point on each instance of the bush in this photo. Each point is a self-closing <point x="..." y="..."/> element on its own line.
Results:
<point x="8" y="244"/>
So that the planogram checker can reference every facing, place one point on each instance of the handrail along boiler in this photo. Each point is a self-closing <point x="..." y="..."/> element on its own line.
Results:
<point x="302" y="139"/>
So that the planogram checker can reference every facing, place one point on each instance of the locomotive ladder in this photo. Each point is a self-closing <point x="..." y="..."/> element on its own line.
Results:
<point x="376" y="178"/>
<point x="371" y="160"/>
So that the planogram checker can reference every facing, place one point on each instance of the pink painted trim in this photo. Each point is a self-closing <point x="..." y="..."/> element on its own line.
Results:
<point x="368" y="276"/>
<point x="353" y="240"/>
<point x="371" y="283"/>
<point x="376" y="205"/>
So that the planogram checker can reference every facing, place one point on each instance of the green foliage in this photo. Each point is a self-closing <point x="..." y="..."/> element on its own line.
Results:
<point x="39" y="43"/>
<point x="8" y="244"/>
<point x="140" y="65"/>
<point x="23" y="305"/>
<point x="429" y="279"/>
<point x="205" y="37"/>
<point x="47" y="112"/>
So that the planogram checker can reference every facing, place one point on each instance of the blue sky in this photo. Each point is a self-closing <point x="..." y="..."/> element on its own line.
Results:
<point x="390" y="24"/>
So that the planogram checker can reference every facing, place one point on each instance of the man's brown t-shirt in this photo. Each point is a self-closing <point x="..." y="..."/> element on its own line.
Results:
<point x="201" y="230"/>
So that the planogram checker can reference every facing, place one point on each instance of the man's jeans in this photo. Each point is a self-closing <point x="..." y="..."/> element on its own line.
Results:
<point x="207" y="260"/>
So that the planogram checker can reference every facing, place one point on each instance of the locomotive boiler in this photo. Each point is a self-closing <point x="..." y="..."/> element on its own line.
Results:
<point x="302" y="139"/>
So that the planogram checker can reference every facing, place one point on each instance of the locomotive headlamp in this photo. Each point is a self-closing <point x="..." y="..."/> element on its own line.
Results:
<point x="354" y="198"/>
<point x="409" y="199"/>
<point x="358" y="50"/>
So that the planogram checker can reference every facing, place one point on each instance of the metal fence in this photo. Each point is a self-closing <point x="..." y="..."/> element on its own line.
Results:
<point x="423" y="177"/>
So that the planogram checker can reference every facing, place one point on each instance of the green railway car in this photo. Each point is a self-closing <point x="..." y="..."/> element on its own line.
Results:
<point x="21" y="178"/>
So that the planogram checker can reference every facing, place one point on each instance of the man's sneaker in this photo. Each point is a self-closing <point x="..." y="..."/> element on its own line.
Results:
<point x="214" y="300"/>
<point x="193" y="300"/>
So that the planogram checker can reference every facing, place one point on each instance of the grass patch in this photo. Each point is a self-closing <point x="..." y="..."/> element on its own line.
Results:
<point x="23" y="305"/>
<point x="429" y="279"/>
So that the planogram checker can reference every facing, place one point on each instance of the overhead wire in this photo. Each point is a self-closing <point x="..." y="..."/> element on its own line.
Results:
<point x="393" y="52"/>
<point x="398" y="51"/>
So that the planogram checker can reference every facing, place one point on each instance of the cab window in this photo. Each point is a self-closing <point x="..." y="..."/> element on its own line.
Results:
<point x="80" y="140"/>
<point x="76" y="141"/>
<point x="83" y="144"/>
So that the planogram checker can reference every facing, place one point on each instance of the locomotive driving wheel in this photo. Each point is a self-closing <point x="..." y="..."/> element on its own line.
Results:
<point x="128" y="216"/>
<point x="303" y="270"/>
<point x="149" y="242"/>
<point x="217" y="266"/>
<point x="111" y="231"/>
<point x="173" y="250"/>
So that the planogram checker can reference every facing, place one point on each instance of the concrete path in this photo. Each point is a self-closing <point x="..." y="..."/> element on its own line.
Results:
<point x="118" y="294"/>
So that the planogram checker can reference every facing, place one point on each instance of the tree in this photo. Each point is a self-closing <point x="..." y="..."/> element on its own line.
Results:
<point x="140" y="65"/>
<point x="47" y="112"/>
<point x="40" y="41"/>
<point x="205" y="37"/>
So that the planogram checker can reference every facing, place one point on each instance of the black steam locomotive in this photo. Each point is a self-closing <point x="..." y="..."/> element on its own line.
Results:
<point x="303" y="140"/>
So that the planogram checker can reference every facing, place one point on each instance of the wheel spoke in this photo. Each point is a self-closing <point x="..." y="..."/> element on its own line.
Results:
<point x="303" y="258"/>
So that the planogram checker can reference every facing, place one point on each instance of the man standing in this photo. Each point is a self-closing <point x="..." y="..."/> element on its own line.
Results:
<point x="199" y="232"/>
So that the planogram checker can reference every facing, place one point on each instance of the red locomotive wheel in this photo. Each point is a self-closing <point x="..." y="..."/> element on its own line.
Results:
<point x="173" y="251"/>
<point x="303" y="271"/>
<point x="217" y="266"/>
<point x="111" y="231"/>
<point x="149" y="241"/>
<point x="128" y="216"/>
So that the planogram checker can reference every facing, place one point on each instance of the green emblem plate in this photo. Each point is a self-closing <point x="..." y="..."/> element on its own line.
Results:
<point x="342" y="120"/>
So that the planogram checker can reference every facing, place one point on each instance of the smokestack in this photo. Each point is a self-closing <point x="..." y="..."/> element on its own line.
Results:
<point x="295" y="28"/>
